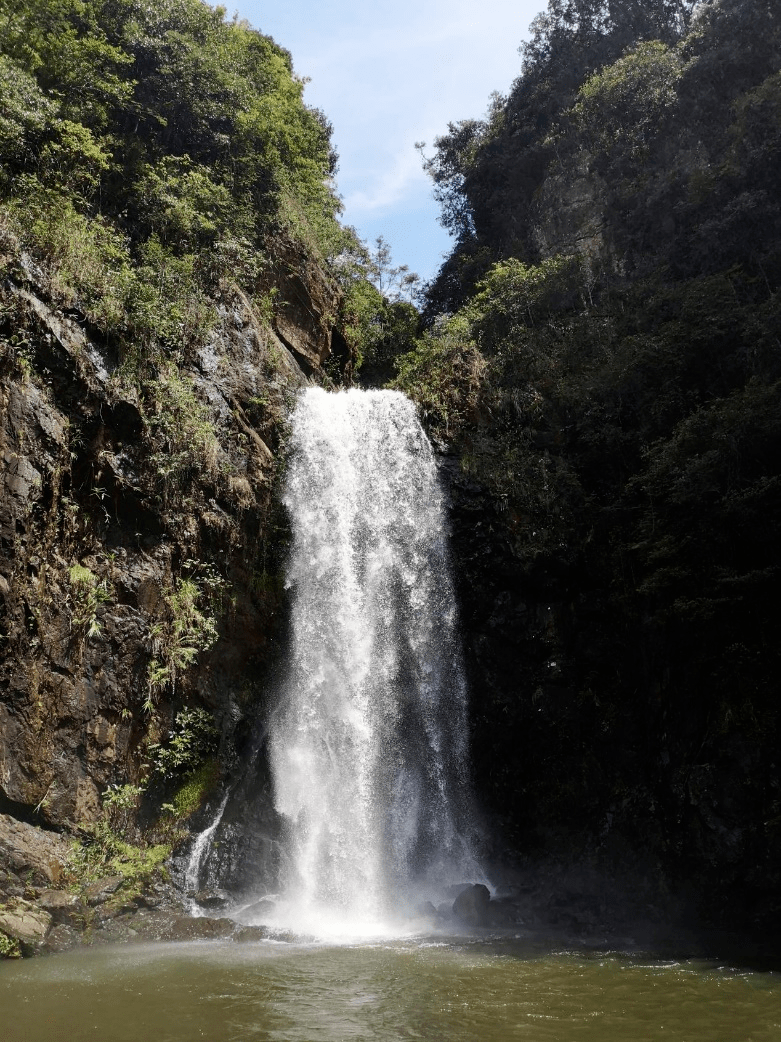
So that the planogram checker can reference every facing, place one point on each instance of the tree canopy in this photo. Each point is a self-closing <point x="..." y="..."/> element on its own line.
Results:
<point x="603" y="353"/>
<point x="151" y="149"/>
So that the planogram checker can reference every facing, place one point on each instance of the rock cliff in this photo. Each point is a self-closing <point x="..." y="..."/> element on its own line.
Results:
<point x="141" y="538"/>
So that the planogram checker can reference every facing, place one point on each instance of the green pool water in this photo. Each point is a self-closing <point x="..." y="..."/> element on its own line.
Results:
<point x="466" y="991"/>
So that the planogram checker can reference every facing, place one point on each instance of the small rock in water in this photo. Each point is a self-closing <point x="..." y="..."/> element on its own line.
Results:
<point x="186" y="929"/>
<point x="25" y="923"/>
<point x="471" y="905"/>
<point x="61" y="906"/>
<point x="248" y="934"/>
<point x="149" y="900"/>
<point x="259" y="909"/>
<point x="502" y="913"/>
<point x="426" y="910"/>
<point x="61" y="938"/>
<point x="457" y="888"/>
<point x="211" y="899"/>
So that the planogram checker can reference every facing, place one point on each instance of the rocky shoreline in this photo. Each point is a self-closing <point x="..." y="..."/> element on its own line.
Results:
<point x="46" y="908"/>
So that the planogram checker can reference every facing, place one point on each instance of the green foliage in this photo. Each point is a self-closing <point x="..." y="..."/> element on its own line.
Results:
<point x="623" y="107"/>
<point x="192" y="740"/>
<point x="150" y="152"/>
<point x="25" y="112"/>
<point x="601" y="26"/>
<point x="183" y="429"/>
<point x="63" y="43"/>
<point x="187" y="760"/>
<point x="182" y="204"/>
<point x="627" y="434"/>
<point x="449" y="167"/>
<point x="488" y="174"/>
<point x="388" y="331"/>
<point x="87" y="593"/>
<point x="120" y="806"/>
<point x="395" y="283"/>
<point x="105" y="848"/>
<point x="74" y="160"/>
<point x="191" y="794"/>
<point x="756" y="130"/>
<point x="377" y="319"/>
<point x="154" y="302"/>
<point x="178" y="638"/>
<point x="88" y="260"/>
<point x="122" y="797"/>
<point x="514" y="294"/>
<point x="102" y="853"/>
<point x="9" y="947"/>
<point x="170" y="305"/>
<point x="443" y="374"/>
<point x="716" y="495"/>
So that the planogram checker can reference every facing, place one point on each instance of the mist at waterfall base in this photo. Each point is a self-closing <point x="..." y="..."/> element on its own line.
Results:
<point x="368" y="747"/>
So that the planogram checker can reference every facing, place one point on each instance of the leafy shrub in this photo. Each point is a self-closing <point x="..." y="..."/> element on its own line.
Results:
<point x="191" y="794"/>
<point x="102" y="852"/>
<point x="444" y="373"/>
<point x="193" y="738"/>
<point x="87" y="594"/>
<point x="183" y="428"/>
<point x="191" y="132"/>
<point x="622" y="108"/>
<point x="120" y="802"/>
<point x="25" y="112"/>
<point x="9" y="947"/>
<point x="74" y="160"/>
<point x="514" y="295"/>
<point x="180" y="636"/>
<point x="87" y="259"/>
<point x="182" y="204"/>
<point x="169" y="307"/>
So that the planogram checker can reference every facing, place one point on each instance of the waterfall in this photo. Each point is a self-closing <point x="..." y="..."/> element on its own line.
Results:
<point x="369" y="747"/>
<point x="192" y="873"/>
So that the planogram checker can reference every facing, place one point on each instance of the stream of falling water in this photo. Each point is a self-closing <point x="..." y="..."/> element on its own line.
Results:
<point x="369" y="750"/>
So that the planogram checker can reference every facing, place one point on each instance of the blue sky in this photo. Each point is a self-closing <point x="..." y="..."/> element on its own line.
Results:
<point x="386" y="76"/>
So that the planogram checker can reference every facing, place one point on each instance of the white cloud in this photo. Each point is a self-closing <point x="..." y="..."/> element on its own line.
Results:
<point x="389" y="75"/>
<point x="390" y="187"/>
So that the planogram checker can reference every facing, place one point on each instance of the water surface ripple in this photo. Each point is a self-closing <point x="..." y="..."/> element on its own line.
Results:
<point x="438" y="990"/>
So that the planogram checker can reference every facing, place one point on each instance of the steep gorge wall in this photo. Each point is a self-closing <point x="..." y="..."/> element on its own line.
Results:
<point x="107" y="504"/>
<point x="627" y="767"/>
<point x="602" y="356"/>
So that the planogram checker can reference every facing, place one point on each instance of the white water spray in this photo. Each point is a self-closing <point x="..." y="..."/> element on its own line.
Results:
<point x="369" y="750"/>
<point x="192" y="874"/>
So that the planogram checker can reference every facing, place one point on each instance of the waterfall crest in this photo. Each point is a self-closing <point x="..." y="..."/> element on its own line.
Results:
<point x="369" y="748"/>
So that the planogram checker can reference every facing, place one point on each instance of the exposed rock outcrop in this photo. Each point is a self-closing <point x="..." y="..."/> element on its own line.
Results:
<point x="471" y="905"/>
<point x="25" y="923"/>
<point x="307" y="305"/>
<point x="29" y="855"/>
<point x="115" y="488"/>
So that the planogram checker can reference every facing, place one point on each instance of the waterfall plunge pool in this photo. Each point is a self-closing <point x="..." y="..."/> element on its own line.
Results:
<point x="370" y="765"/>
<point x="438" y="990"/>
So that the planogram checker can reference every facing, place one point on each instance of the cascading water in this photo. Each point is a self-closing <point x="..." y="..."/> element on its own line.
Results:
<point x="198" y="853"/>
<point x="368" y="750"/>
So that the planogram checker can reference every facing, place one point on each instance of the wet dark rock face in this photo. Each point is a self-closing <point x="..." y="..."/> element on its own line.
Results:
<point x="610" y="792"/>
<point x="244" y="855"/>
<point x="85" y="483"/>
<point x="114" y="489"/>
